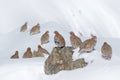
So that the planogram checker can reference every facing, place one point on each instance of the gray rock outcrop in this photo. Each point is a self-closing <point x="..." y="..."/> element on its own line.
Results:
<point x="61" y="59"/>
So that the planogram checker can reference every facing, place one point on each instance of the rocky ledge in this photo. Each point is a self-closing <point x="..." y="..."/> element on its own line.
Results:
<point x="61" y="59"/>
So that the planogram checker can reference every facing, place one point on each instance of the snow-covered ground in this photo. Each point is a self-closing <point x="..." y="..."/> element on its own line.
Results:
<point x="98" y="17"/>
<point x="33" y="69"/>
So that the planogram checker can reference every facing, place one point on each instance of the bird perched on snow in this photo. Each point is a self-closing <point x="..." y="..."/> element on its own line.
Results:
<point x="15" y="56"/>
<point x="35" y="29"/>
<point x="45" y="38"/>
<point x="28" y="53"/>
<point x="88" y="45"/>
<point x="106" y="51"/>
<point x="59" y="40"/>
<point x="75" y="40"/>
<point x="24" y="27"/>
<point x="40" y="52"/>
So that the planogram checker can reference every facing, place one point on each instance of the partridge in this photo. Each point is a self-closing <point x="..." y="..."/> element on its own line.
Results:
<point x="75" y="40"/>
<point x="45" y="38"/>
<point x="88" y="45"/>
<point x="28" y="53"/>
<point x="106" y="51"/>
<point x="15" y="56"/>
<point x="59" y="40"/>
<point x="24" y="27"/>
<point x="35" y="29"/>
<point x="40" y="52"/>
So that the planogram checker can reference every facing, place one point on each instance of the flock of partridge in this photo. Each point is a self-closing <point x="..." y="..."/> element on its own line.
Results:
<point x="84" y="46"/>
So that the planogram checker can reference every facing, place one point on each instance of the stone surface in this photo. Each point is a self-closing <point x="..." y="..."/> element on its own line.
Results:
<point x="61" y="59"/>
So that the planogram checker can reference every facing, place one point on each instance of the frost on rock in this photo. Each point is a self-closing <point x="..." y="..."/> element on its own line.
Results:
<point x="61" y="59"/>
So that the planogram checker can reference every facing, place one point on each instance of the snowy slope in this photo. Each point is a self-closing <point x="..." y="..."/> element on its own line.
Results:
<point x="100" y="17"/>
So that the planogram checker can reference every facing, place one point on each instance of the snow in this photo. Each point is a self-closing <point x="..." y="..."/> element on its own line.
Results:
<point x="30" y="69"/>
<point x="98" y="17"/>
<point x="33" y="69"/>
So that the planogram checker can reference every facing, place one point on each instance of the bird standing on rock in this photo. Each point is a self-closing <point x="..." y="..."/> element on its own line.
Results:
<point x="59" y="40"/>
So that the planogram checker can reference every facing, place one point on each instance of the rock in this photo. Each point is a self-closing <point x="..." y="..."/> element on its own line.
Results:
<point x="52" y="62"/>
<point x="61" y="59"/>
<point x="79" y="63"/>
<point x="66" y="54"/>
